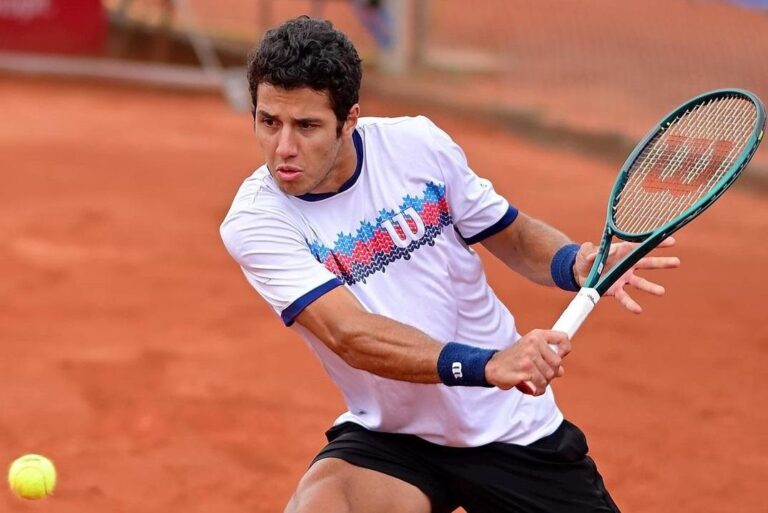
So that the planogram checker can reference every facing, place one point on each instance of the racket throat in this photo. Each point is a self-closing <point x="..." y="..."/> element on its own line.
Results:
<point x="577" y="311"/>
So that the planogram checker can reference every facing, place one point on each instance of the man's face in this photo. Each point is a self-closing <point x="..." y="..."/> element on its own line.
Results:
<point x="296" y="130"/>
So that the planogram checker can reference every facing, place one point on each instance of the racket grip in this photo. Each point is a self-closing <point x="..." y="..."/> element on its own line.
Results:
<point x="570" y="321"/>
<point x="577" y="311"/>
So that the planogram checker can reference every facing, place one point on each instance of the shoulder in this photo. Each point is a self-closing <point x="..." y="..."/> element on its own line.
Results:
<point x="398" y="123"/>
<point x="415" y="137"/>
<point x="413" y="128"/>
<point x="258" y="207"/>
<point x="257" y="194"/>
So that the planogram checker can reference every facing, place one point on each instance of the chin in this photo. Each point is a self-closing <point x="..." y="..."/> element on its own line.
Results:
<point x="293" y="189"/>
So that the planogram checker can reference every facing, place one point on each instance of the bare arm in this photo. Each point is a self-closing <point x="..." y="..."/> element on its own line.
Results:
<point x="371" y="342"/>
<point x="527" y="246"/>
<point x="390" y="349"/>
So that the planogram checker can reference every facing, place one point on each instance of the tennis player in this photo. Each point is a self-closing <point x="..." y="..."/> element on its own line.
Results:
<point x="359" y="232"/>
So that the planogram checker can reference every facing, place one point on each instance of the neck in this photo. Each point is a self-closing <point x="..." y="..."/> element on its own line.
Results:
<point x="343" y="167"/>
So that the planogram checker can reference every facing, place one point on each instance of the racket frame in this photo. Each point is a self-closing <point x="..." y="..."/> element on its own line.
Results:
<point x="651" y="239"/>
<point x="595" y="286"/>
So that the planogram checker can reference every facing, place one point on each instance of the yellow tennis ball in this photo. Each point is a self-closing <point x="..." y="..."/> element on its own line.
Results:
<point x="32" y="476"/>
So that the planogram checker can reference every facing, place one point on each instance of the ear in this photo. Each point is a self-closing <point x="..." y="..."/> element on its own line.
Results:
<point x="351" y="121"/>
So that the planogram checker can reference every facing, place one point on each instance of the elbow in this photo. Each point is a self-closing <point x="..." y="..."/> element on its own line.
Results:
<point x="341" y="324"/>
<point x="347" y="340"/>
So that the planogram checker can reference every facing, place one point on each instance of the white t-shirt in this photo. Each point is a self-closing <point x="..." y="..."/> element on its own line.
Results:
<point x="398" y="236"/>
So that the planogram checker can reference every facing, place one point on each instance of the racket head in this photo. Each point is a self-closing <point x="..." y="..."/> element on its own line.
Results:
<point x="687" y="161"/>
<point x="682" y="165"/>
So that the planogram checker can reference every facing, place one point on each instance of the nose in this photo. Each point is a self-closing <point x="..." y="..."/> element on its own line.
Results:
<point x="286" y="144"/>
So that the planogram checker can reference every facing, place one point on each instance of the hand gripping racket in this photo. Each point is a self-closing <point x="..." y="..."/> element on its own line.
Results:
<point x="678" y="170"/>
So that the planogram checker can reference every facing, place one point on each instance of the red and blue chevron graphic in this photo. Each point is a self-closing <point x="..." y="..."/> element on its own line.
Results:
<point x="355" y="257"/>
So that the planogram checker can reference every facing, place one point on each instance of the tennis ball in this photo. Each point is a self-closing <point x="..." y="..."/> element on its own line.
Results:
<point x="32" y="476"/>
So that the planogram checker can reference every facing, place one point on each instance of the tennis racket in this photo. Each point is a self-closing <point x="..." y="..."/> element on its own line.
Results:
<point x="681" y="167"/>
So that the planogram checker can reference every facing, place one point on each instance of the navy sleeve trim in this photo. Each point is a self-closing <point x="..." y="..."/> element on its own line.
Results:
<point x="294" y="309"/>
<point x="502" y="223"/>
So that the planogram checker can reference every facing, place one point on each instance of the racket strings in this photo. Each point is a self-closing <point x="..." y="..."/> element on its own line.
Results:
<point x="680" y="187"/>
<point x="651" y="161"/>
<point x="662" y="206"/>
<point x="683" y="163"/>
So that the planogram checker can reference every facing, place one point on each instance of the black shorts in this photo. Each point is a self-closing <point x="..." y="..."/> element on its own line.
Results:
<point x="551" y="475"/>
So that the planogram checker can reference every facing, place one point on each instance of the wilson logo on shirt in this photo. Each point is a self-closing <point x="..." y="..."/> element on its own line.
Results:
<point x="394" y="235"/>
<point x="402" y="235"/>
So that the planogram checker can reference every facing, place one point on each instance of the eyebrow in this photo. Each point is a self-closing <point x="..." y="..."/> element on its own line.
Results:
<point x="263" y="113"/>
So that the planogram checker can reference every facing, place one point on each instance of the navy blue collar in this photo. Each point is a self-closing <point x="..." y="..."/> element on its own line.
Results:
<point x="358" y="141"/>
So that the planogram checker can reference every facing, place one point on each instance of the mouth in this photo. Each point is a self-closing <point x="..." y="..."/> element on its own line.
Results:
<point x="288" y="173"/>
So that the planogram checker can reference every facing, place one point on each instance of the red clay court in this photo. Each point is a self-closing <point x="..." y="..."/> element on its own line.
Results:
<point x="135" y="355"/>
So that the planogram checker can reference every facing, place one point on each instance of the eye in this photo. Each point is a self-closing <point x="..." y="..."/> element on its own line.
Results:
<point x="269" y="122"/>
<point x="306" y="125"/>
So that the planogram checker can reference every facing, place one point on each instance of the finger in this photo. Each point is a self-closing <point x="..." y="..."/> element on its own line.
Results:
<point x="558" y="342"/>
<point x="535" y="385"/>
<point x="614" y="248"/>
<point x="526" y="387"/>
<point x="548" y="364"/>
<point x="546" y="370"/>
<point x="592" y="256"/>
<point x="620" y="248"/>
<point x="667" y="243"/>
<point x="650" y="287"/>
<point x="591" y="251"/>
<point x="658" y="263"/>
<point x="554" y="337"/>
<point x="627" y="302"/>
<point x="538" y="370"/>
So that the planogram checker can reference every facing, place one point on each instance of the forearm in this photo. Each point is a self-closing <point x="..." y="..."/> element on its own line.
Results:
<point x="527" y="247"/>
<point x="371" y="342"/>
<point x="389" y="349"/>
<point x="394" y="350"/>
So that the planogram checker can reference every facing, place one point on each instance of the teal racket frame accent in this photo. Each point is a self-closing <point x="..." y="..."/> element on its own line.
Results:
<point x="651" y="239"/>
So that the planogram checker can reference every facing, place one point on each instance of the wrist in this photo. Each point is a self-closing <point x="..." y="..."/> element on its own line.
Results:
<point x="562" y="267"/>
<point x="463" y="365"/>
<point x="491" y="370"/>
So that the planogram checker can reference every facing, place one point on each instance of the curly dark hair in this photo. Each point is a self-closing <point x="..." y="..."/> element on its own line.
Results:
<point x="306" y="52"/>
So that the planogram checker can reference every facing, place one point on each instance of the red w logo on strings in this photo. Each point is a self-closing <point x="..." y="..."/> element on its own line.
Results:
<point x="701" y="159"/>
